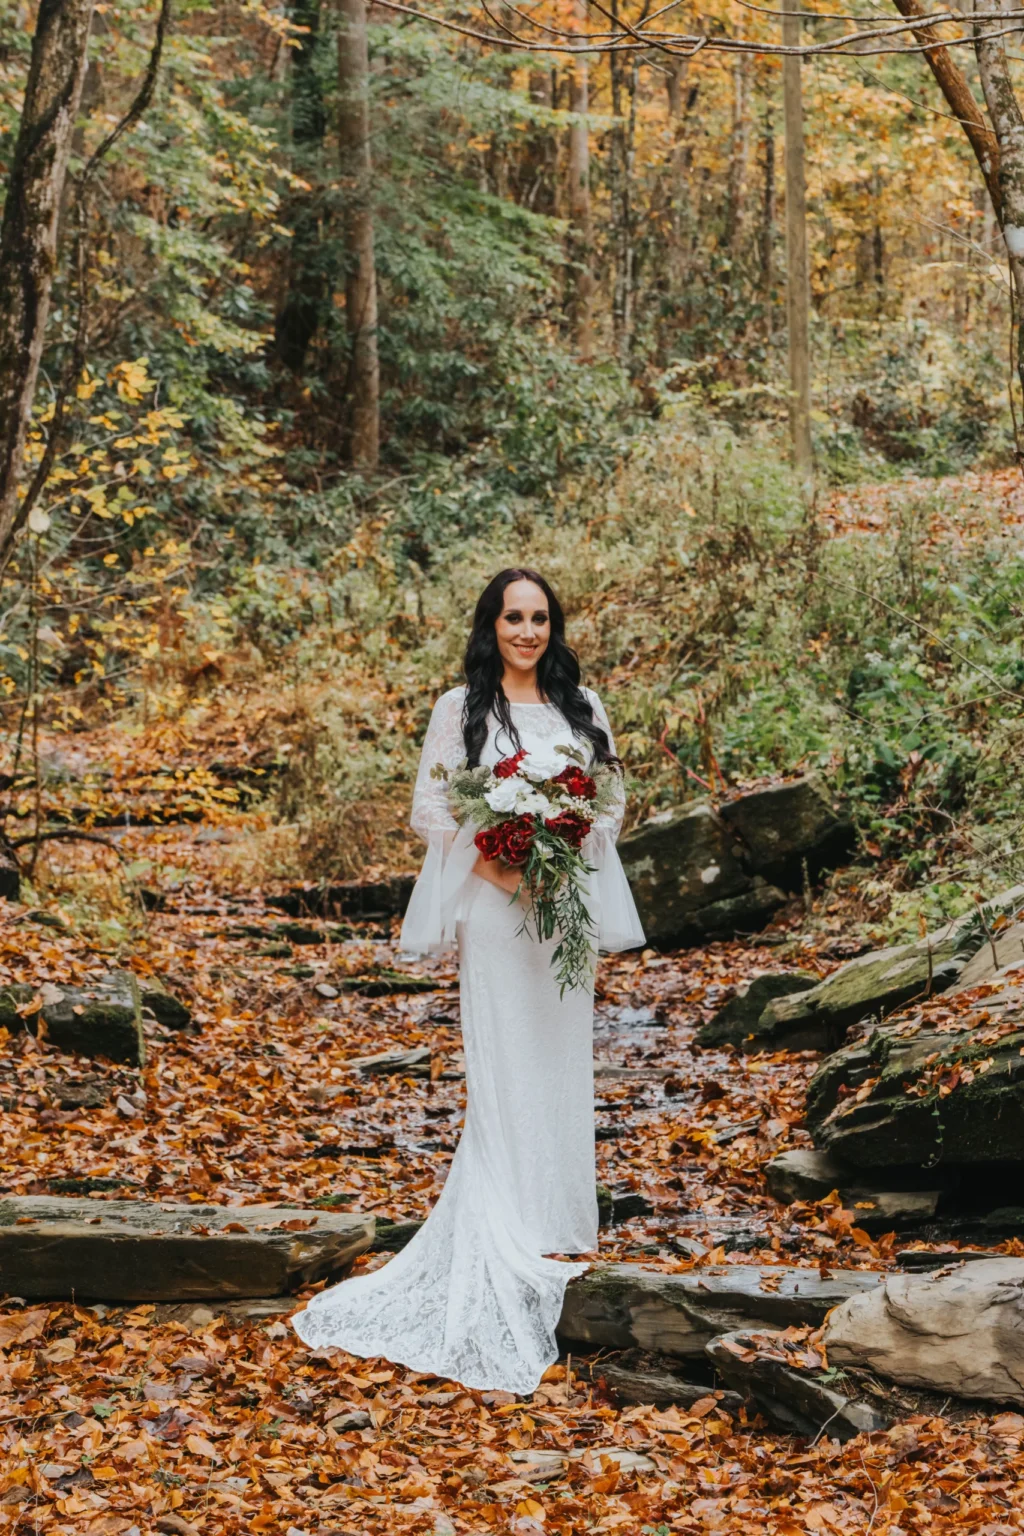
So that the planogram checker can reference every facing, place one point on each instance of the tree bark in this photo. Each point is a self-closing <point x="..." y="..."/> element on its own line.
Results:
<point x="28" y="234"/>
<point x="1008" y="122"/>
<point x="767" y="240"/>
<point x="798" y="293"/>
<point x="299" y="317"/>
<point x="738" y="150"/>
<point x="580" y="228"/>
<point x="623" y="162"/>
<point x="953" y="84"/>
<point x="360" y="259"/>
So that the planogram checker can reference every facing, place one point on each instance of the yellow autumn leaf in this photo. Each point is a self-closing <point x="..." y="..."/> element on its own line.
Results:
<point x="200" y="1446"/>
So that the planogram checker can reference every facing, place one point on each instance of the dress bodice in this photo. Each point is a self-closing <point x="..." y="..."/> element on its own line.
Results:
<point x="539" y="725"/>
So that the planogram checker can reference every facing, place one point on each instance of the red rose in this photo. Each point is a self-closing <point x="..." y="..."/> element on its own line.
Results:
<point x="489" y="842"/>
<point x="517" y="836"/>
<point x="570" y="826"/>
<point x="579" y="784"/>
<point x="508" y="765"/>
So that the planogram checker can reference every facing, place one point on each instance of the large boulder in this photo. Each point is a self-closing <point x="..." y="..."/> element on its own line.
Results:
<point x="700" y="873"/>
<point x="740" y="1016"/>
<point x="878" y="984"/>
<point x="678" y="863"/>
<point x="134" y="1250"/>
<point x="959" y="1330"/>
<point x="104" y="1019"/>
<point x="784" y="827"/>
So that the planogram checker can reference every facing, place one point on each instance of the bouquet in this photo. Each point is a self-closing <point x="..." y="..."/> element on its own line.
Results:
<point x="533" y="811"/>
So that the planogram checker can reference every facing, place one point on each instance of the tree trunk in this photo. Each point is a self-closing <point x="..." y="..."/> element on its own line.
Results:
<point x="798" y="293"/>
<point x="623" y="160"/>
<point x="738" y="148"/>
<point x="360" y="261"/>
<point x="299" y="317"/>
<point x="539" y="180"/>
<point x="878" y="245"/>
<point x="954" y="86"/>
<point x="1008" y="123"/>
<point x="28" y="235"/>
<point x="767" y="240"/>
<point x="580" y="231"/>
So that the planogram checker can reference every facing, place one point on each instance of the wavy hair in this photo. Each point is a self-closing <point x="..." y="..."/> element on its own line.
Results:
<point x="558" y="673"/>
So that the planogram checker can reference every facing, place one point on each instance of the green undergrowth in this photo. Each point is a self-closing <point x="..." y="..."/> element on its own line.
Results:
<point x="734" y="635"/>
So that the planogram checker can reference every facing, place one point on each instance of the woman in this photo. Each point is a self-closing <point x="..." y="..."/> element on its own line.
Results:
<point x="475" y="1296"/>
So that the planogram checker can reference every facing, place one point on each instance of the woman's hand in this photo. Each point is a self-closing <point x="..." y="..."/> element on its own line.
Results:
<point x="497" y="872"/>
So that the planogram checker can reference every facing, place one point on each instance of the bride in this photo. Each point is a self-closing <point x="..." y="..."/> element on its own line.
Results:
<point x="476" y="1295"/>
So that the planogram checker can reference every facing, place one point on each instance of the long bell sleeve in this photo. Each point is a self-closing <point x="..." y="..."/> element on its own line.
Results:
<point x="436" y="901"/>
<point x="618" y="922"/>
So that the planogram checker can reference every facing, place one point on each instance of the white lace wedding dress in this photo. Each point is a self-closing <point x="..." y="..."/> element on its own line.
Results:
<point x="471" y="1298"/>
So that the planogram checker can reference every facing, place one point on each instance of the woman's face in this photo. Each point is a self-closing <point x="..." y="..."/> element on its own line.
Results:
<point x="523" y="627"/>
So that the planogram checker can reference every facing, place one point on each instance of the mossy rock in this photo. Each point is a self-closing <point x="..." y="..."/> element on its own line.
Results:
<point x="936" y="1102"/>
<point x="104" y="1019"/>
<point x="739" y="1017"/>
<point x="871" y="986"/>
<point x="167" y="1009"/>
<point x="782" y="827"/>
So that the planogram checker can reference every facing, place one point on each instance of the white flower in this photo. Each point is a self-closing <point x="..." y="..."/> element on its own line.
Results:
<point x="505" y="793"/>
<point x="514" y="794"/>
<point x="544" y="764"/>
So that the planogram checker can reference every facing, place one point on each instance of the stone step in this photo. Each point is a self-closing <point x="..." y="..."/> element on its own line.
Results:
<point x="53" y="1248"/>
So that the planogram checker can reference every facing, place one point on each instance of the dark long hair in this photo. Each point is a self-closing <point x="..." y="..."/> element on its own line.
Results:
<point x="558" y="673"/>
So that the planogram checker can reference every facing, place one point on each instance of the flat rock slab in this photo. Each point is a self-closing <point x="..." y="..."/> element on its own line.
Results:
<point x="871" y="986"/>
<point x="803" y="1174"/>
<point x="1002" y="955"/>
<point x="795" y="1401"/>
<point x="135" y="1250"/>
<point x="624" y="1306"/>
<point x="104" y="1019"/>
<point x="958" y="1330"/>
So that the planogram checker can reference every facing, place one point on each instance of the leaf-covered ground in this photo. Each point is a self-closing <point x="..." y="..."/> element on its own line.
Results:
<point x="130" y="1419"/>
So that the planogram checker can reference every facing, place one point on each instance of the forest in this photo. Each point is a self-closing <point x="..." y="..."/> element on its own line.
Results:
<point x="315" y="314"/>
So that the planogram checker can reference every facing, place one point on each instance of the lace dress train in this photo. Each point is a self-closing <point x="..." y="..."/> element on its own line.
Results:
<point x="472" y="1297"/>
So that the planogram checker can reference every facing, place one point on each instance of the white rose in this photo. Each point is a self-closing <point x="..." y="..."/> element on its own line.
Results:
<point x="505" y="793"/>
<point x="530" y="802"/>
<point x="544" y="764"/>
